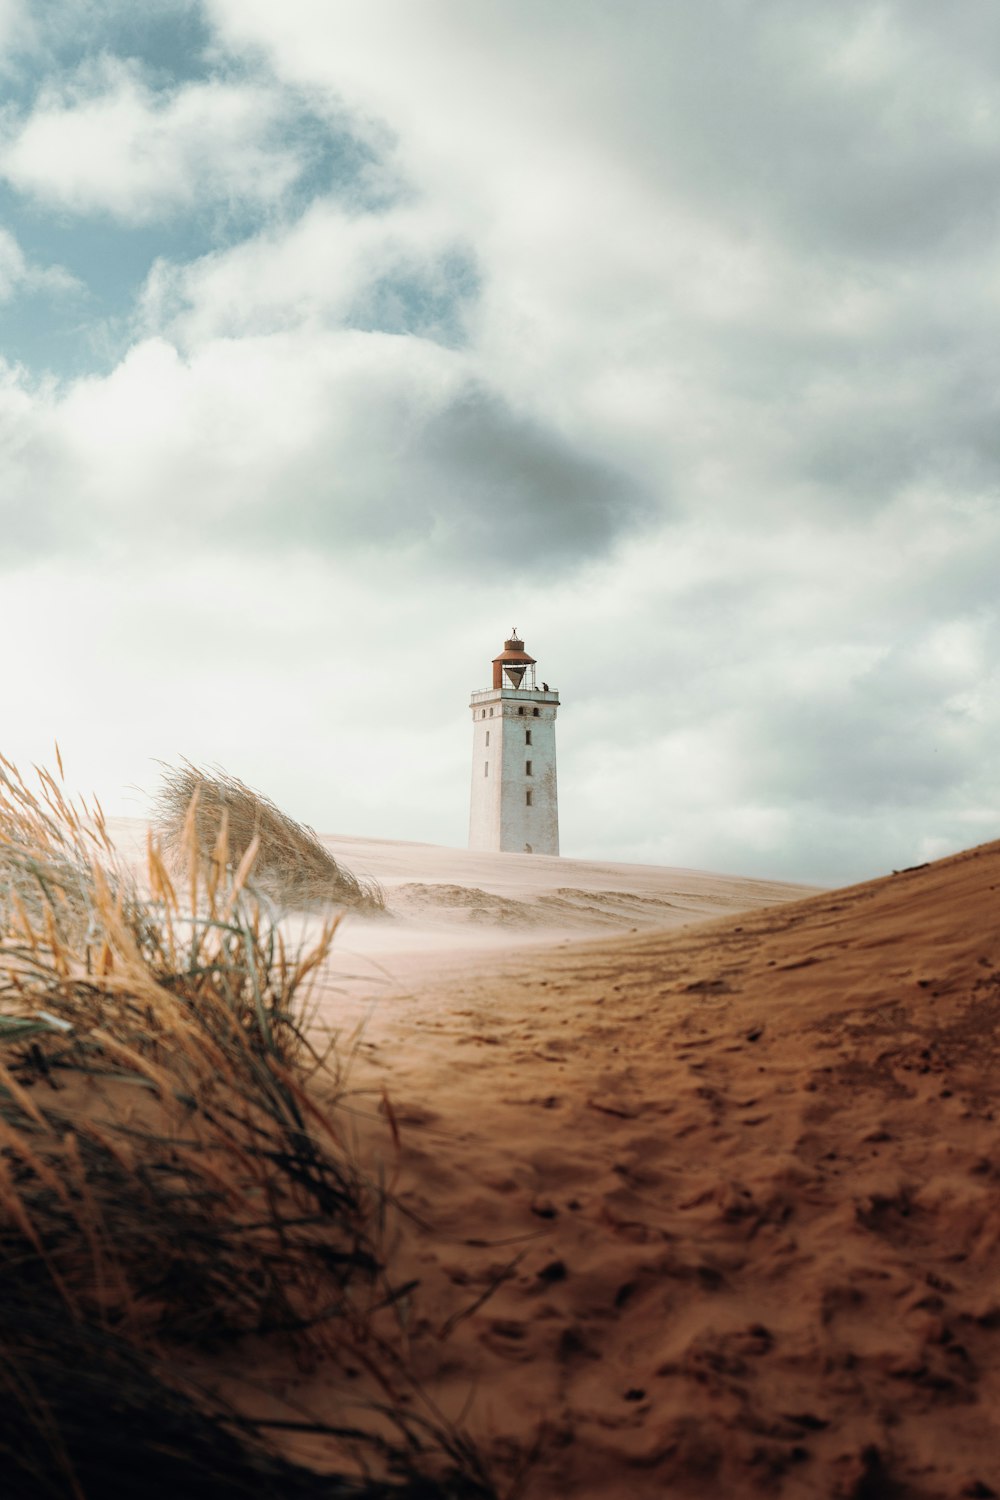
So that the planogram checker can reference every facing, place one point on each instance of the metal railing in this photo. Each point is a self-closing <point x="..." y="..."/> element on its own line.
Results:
<point x="532" y="695"/>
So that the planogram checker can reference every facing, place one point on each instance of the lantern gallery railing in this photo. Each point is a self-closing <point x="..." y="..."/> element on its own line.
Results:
<point x="537" y="695"/>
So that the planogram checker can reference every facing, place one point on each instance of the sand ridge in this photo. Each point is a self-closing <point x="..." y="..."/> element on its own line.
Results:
<point x="444" y="901"/>
<point x="714" y="1211"/>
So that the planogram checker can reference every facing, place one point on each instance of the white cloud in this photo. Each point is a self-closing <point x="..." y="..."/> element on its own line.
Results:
<point x="104" y="142"/>
<point x="736" y="259"/>
<point x="18" y="275"/>
<point x="331" y="440"/>
<point x="16" y="26"/>
<point x="13" y="267"/>
<point x="689" y="225"/>
<point x="313" y="272"/>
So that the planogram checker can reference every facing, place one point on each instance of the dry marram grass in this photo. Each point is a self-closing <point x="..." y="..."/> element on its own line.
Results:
<point x="203" y="811"/>
<point x="168" y="1182"/>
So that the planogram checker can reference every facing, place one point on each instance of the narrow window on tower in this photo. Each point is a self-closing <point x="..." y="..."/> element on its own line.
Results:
<point x="521" y="711"/>
<point x="534" y="712"/>
<point x="527" y="768"/>
<point x="487" y="736"/>
<point x="527" y="798"/>
<point x="486" y="768"/>
<point x="491" y="713"/>
<point x="527" y="736"/>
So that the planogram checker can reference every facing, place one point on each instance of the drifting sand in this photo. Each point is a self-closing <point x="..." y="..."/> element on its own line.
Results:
<point x="442" y="901"/>
<point x="704" y="1212"/>
<point x="731" y="1196"/>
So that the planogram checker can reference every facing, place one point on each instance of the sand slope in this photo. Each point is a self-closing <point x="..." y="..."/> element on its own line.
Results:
<point x="453" y="900"/>
<point x="440" y="898"/>
<point x="713" y="1212"/>
<point x="709" y="1211"/>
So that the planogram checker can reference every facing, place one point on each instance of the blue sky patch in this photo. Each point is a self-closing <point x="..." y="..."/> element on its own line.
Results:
<point x="165" y="46"/>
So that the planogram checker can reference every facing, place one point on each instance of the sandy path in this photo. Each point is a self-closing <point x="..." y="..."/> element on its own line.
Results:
<point x="711" y="1211"/>
<point x="735" y="1190"/>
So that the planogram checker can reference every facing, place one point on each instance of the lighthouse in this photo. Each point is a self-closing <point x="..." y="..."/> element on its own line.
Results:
<point x="515" y="806"/>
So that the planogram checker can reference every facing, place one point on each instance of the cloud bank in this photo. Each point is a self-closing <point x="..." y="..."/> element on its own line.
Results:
<point x="667" y="332"/>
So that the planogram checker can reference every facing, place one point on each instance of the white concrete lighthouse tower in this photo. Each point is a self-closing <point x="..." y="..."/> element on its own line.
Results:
<point x="515" y="806"/>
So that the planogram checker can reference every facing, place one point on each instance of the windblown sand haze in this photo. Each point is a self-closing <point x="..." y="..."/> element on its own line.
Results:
<point x="712" y="1211"/>
<point x="649" y="1182"/>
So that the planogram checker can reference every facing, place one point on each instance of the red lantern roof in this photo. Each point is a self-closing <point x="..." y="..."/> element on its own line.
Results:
<point x="512" y="662"/>
<point x="513" y="650"/>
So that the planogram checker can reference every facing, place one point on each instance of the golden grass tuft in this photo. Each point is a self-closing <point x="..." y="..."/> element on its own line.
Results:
<point x="46" y="849"/>
<point x="203" y="811"/>
<point x="169" y="1184"/>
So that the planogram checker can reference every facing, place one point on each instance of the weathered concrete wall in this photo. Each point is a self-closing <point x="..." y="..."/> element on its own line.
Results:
<point x="487" y="755"/>
<point x="501" y="816"/>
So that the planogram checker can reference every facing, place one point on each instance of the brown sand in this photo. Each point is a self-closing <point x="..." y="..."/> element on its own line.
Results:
<point x="713" y="1212"/>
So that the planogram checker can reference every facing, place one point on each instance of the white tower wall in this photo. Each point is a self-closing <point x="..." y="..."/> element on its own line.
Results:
<point x="515" y="803"/>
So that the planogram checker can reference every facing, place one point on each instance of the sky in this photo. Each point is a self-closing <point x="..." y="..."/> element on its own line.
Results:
<point x="338" y="340"/>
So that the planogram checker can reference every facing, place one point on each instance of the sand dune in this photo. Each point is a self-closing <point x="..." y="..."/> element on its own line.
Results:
<point x="716" y="1211"/>
<point x="453" y="900"/>
<point x="708" y="1206"/>
<point x="427" y="884"/>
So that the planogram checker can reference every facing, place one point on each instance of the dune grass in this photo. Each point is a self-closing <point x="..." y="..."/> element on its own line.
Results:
<point x="46" y="850"/>
<point x="169" y="1184"/>
<point x="196" y="809"/>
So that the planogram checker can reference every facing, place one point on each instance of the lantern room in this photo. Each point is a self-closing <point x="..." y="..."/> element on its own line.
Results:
<point x="514" y="668"/>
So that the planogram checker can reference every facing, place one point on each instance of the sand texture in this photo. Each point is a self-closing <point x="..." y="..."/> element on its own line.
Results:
<point x="711" y="1212"/>
<point x="704" y="1206"/>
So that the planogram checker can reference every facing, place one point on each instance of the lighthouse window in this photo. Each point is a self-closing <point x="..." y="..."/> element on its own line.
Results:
<point x="487" y="736"/>
<point x="535" y="712"/>
<point x="486" y="768"/>
<point x="491" y="713"/>
<point x="527" y="768"/>
<point x="527" y="798"/>
<point x="521" y="711"/>
<point x="527" y="736"/>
